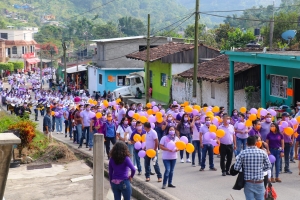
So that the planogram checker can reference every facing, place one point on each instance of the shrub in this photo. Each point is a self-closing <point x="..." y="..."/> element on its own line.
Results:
<point x="6" y="66"/>
<point x="17" y="65"/>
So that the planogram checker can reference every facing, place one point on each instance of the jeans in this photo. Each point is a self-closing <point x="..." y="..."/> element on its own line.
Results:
<point x="42" y="112"/>
<point x="79" y="132"/>
<point x="276" y="154"/>
<point x="292" y="150"/>
<point x="137" y="160"/>
<point x="122" y="189"/>
<point x="287" y="148"/>
<point x="131" y="147"/>
<point x="85" y="135"/>
<point x="239" y="143"/>
<point x="58" y="123"/>
<point x="169" y="169"/>
<point x="225" y="151"/>
<point x="147" y="164"/>
<point x="207" y="148"/>
<point x="196" y="144"/>
<point x="70" y="129"/>
<point x="91" y="138"/>
<point x="53" y="123"/>
<point x="107" y="143"/>
<point x="36" y="112"/>
<point x="66" y="126"/>
<point x="181" y="151"/>
<point x="254" y="191"/>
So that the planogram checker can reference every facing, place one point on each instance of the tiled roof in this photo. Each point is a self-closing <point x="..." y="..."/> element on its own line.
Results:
<point x="163" y="50"/>
<point x="19" y="42"/>
<point x="216" y="70"/>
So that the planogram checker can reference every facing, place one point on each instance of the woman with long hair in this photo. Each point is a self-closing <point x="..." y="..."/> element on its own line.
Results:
<point x="184" y="129"/>
<point x="169" y="156"/>
<point x="276" y="146"/>
<point x="119" y="163"/>
<point x="234" y="117"/>
<point x="123" y="133"/>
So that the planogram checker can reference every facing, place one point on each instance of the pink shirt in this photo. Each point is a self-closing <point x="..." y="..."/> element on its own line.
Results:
<point x="166" y="155"/>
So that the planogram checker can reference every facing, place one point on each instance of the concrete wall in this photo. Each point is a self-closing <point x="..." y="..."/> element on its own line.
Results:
<point x="180" y="67"/>
<point x="93" y="79"/>
<point x="18" y="34"/>
<point x="182" y="90"/>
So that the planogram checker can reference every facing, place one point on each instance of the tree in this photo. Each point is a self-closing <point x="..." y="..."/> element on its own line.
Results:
<point x="49" y="48"/>
<point x="222" y="32"/>
<point x="108" y="30"/>
<point x="237" y="38"/>
<point x="2" y="24"/>
<point x="131" y="26"/>
<point x="173" y="34"/>
<point x="7" y="66"/>
<point x="189" y="32"/>
<point x="17" y="65"/>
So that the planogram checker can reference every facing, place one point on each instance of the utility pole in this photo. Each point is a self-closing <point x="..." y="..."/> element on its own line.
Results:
<point x="65" y="64"/>
<point x="272" y="28"/>
<point x="41" y="66"/>
<point x="148" y="63"/>
<point x="51" y="63"/>
<point x="196" y="49"/>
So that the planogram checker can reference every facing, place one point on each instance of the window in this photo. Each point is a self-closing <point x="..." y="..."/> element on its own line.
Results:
<point x="100" y="79"/>
<point x="278" y="86"/>
<point x="23" y="50"/>
<point x="212" y="91"/>
<point x="121" y="80"/>
<point x="150" y="76"/>
<point x="14" y="50"/>
<point x="163" y="79"/>
<point x="137" y="81"/>
<point x="4" y="36"/>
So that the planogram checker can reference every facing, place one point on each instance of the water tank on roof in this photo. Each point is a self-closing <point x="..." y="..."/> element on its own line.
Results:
<point x="257" y="32"/>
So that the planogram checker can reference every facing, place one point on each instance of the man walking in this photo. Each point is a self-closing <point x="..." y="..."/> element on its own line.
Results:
<point x="86" y="119"/>
<point x="151" y="143"/>
<point x="47" y="125"/>
<point x="228" y="143"/>
<point x="254" y="162"/>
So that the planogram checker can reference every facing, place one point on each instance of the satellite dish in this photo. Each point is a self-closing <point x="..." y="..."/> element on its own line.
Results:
<point x="288" y="35"/>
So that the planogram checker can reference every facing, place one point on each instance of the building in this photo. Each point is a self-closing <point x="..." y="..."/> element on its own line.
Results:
<point x="280" y="75"/>
<point x="20" y="46"/>
<point x="168" y="60"/>
<point x="213" y="84"/>
<point x="111" y="63"/>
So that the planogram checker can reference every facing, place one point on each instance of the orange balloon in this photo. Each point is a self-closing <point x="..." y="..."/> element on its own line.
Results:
<point x="248" y="123"/>
<point x="186" y="103"/>
<point x="209" y="113"/>
<point x="149" y="105"/>
<point x="243" y="110"/>
<point x="296" y="134"/>
<point x="160" y="120"/>
<point x="220" y="133"/>
<point x="252" y="117"/>
<point x="52" y="113"/>
<point x="136" y="116"/>
<point x="258" y="144"/>
<point x="298" y="119"/>
<point x="217" y="150"/>
<point x="215" y="109"/>
<point x="197" y="108"/>
<point x="158" y="115"/>
<point x="98" y="115"/>
<point x="149" y="111"/>
<point x="289" y="131"/>
<point x="144" y="138"/>
<point x="213" y="128"/>
<point x="137" y="138"/>
<point x="180" y="145"/>
<point x="151" y="153"/>
<point x="188" y="109"/>
<point x="143" y="119"/>
<point x="204" y="109"/>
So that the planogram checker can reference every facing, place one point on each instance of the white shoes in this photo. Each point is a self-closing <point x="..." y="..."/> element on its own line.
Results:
<point x="188" y="161"/>
<point x="182" y="161"/>
<point x="135" y="167"/>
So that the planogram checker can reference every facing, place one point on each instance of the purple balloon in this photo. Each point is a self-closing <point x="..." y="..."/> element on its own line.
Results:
<point x="92" y="114"/>
<point x="155" y="109"/>
<point x="143" y="145"/>
<point x="184" y="139"/>
<point x="272" y="159"/>
<point x="174" y="102"/>
<point x="138" y="145"/>
<point x="202" y="119"/>
<point x="263" y="112"/>
<point x="152" y="125"/>
<point x="241" y="126"/>
<point x="130" y="113"/>
<point x="152" y="119"/>
<point x="195" y="112"/>
<point x="171" y="145"/>
<point x="214" y="143"/>
<point x="272" y="112"/>
<point x="280" y="128"/>
<point x="207" y="136"/>
<point x="56" y="113"/>
<point x="142" y="153"/>
<point x="253" y="111"/>
<point x="113" y="103"/>
<point x="284" y="124"/>
<point x="153" y="103"/>
<point x="163" y="111"/>
<point x="212" y="136"/>
<point x="215" y="121"/>
<point x="293" y="121"/>
<point x="110" y="103"/>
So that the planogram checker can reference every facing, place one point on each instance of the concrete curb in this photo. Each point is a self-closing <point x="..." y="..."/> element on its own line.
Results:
<point x="140" y="189"/>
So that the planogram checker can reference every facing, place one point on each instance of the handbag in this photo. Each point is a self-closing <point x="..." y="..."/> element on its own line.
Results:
<point x="240" y="181"/>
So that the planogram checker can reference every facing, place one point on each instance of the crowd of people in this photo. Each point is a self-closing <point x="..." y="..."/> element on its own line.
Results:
<point x="209" y="129"/>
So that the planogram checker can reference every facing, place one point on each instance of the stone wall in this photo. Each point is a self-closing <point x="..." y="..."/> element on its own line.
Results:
<point x="182" y="90"/>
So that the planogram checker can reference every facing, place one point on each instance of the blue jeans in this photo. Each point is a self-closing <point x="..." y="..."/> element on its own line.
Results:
<point x="207" y="148"/>
<point x="70" y="129"/>
<point x="91" y="138"/>
<point x="122" y="189"/>
<point x="85" y="135"/>
<point x="276" y="154"/>
<point x="169" y="169"/>
<point x="79" y="133"/>
<point x="131" y="147"/>
<point x="181" y="151"/>
<point x="147" y="163"/>
<point x="58" y="123"/>
<point x="254" y="191"/>
<point x="137" y="160"/>
<point x="240" y="142"/>
<point x="287" y="148"/>
<point x="292" y="150"/>
<point x="197" y="150"/>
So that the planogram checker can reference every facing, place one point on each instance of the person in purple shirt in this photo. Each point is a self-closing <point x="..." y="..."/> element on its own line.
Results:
<point x="59" y="119"/>
<point x="241" y="134"/>
<point x="139" y="131"/>
<point x="275" y="142"/>
<point x="109" y="131"/>
<point x="234" y="117"/>
<point x="119" y="164"/>
<point x="297" y="153"/>
<point x="265" y="126"/>
<point x="255" y="129"/>
<point x="169" y="156"/>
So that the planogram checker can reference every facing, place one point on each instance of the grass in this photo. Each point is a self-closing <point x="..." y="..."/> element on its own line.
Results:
<point x="7" y="120"/>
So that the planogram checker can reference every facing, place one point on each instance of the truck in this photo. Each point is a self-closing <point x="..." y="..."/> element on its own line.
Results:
<point x="133" y="81"/>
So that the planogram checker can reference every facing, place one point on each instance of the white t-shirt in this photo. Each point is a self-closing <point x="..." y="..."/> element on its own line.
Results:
<point x="122" y="132"/>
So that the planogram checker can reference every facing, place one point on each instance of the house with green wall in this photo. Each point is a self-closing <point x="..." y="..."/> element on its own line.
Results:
<point x="168" y="60"/>
<point x="280" y="75"/>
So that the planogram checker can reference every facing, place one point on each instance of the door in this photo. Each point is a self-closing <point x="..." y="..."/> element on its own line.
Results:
<point x="296" y="89"/>
<point x="8" y="52"/>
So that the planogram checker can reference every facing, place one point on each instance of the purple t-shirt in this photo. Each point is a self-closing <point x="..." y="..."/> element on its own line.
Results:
<point x="204" y="129"/>
<point x="121" y="113"/>
<point x="150" y="137"/>
<point x="120" y="172"/>
<point x="229" y="133"/>
<point x="254" y="132"/>
<point x="86" y="117"/>
<point x="241" y="135"/>
<point x="265" y="129"/>
<point x="298" y="140"/>
<point x="60" y="113"/>
<point x="274" y="140"/>
<point x="166" y="155"/>
<point x="136" y="132"/>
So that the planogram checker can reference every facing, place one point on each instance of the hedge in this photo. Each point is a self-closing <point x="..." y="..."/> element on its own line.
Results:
<point x="7" y="66"/>
<point x="18" y="65"/>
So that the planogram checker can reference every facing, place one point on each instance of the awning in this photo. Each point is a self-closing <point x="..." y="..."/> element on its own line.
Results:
<point x="72" y="70"/>
<point x="32" y="60"/>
